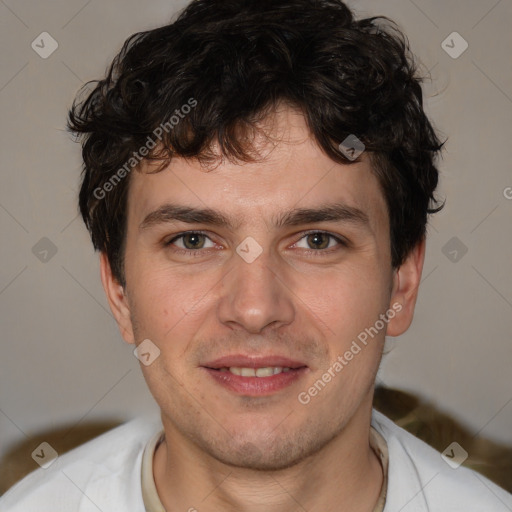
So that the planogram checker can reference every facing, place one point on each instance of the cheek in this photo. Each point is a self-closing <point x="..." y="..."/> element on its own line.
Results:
<point x="166" y="302"/>
<point x="345" y="301"/>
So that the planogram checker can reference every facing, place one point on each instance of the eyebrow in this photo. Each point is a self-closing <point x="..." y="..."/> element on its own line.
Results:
<point x="336" y="212"/>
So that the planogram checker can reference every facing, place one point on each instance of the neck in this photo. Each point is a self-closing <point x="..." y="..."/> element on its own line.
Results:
<point x="345" y="471"/>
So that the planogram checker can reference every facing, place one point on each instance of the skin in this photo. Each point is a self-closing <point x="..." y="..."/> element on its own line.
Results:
<point x="224" y="451"/>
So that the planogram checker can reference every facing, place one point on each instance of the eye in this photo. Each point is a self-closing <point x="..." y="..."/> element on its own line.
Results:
<point x="319" y="240"/>
<point x="194" y="241"/>
<point x="191" y="241"/>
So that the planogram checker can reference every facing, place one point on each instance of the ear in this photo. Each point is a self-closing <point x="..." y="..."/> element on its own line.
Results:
<point x="117" y="300"/>
<point x="406" y="281"/>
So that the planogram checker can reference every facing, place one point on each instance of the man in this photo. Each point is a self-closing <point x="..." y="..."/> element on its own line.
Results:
<point x="257" y="179"/>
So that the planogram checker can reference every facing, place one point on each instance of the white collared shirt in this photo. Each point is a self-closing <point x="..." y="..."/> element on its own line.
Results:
<point x="106" y="474"/>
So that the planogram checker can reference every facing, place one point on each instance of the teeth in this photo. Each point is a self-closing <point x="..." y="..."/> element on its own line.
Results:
<point x="265" y="372"/>
<point x="268" y="371"/>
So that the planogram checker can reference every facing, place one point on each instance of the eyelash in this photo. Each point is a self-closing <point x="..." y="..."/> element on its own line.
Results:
<point x="197" y="252"/>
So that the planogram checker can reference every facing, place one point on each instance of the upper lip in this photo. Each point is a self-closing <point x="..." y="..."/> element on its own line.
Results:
<point x="245" y="361"/>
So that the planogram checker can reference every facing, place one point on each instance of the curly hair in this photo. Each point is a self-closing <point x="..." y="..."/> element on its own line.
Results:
<point x="234" y="61"/>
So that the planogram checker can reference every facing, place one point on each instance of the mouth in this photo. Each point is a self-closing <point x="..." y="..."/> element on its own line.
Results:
<point x="255" y="376"/>
<point x="266" y="371"/>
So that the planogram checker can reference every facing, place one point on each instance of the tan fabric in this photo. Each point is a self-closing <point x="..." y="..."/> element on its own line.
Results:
<point x="380" y="447"/>
<point x="150" y="496"/>
<point x="152" y="501"/>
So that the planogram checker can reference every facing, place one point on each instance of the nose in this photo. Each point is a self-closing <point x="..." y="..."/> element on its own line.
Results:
<point x="255" y="296"/>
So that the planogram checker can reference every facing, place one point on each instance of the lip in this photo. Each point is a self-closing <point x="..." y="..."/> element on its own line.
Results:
<point x="245" y="361"/>
<point x="255" y="386"/>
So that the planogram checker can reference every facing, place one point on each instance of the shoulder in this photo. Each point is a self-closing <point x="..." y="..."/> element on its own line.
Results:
<point x="103" y="473"/>
<point x="420" y="480"/>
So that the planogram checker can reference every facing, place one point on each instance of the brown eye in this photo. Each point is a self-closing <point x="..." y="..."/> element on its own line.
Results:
<point x="318" y="240"/>
<point x="191" y="241"/>
<point x="321" y="242"/>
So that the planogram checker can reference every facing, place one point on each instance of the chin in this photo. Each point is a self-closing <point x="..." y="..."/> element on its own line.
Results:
<point x="263" y="454"/>
<point x="250" y="457"/>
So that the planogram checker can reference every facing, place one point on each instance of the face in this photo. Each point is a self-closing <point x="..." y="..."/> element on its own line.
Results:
<point x="275" y="268"/>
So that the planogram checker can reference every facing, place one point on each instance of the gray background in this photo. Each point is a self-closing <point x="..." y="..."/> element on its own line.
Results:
<point x="62" y="358"/>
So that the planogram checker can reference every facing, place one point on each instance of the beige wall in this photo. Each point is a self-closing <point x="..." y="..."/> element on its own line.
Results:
<point x="62" y="357"/>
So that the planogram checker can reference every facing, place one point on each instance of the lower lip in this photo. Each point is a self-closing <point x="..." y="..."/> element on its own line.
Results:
<point x="256" y="386"/>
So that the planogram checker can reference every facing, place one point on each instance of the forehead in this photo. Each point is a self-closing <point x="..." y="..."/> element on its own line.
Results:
<point x="293" y="172"/>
